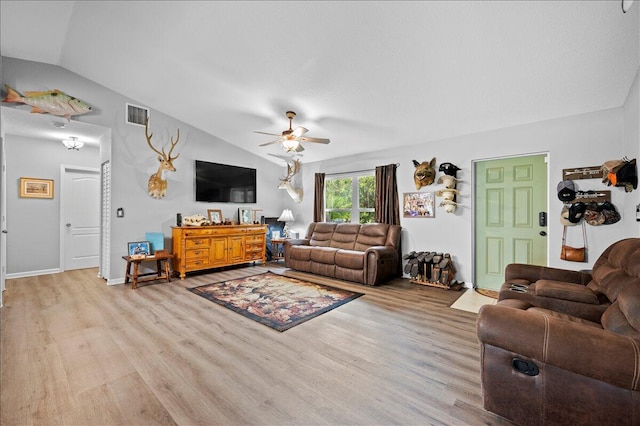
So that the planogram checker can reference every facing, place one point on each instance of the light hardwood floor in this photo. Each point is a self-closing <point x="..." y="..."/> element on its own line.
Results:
<point x="78" y="352"/>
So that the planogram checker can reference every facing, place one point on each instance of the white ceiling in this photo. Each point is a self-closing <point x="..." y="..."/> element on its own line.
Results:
<point x="367" y="75"/>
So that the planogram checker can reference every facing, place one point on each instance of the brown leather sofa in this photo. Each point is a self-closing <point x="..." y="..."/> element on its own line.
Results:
<point x="566" y="350"/>
<point x="367" y="253"/>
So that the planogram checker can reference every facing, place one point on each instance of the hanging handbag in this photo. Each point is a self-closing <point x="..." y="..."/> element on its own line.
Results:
<point x="574" y="254"/>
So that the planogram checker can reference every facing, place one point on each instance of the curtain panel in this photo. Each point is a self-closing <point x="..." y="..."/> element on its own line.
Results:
<point x="318" y="198"/>
<point x="387" y="204"/>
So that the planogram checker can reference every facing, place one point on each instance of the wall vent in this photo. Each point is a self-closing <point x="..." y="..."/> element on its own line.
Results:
<point x="137" y="115"/>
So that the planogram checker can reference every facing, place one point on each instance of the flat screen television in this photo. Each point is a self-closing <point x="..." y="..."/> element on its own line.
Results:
<point x="223" y="183"/>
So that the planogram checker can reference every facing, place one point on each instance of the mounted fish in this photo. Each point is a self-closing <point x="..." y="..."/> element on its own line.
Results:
<point x="52" y="101"/>
<point x="291" y="181"/>
<point x="157" y="182"/>
<point x="424" y="173"/>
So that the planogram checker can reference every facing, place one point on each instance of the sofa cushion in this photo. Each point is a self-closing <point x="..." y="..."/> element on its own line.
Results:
<point x="350" y="259"/>
<point x="325" y="255"/>
<point x="344" y="236"/>
<point x="322" y="233"/>
<point x="299" y="252"/>
<point x="566" y="291"/>
<point x="371" y="234"/>
<point x="617" y="268"/>
<point x="629" y="301"/>
<point x="615" y="321"/>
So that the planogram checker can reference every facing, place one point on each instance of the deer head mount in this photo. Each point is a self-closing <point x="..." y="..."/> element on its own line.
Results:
<point x="157" y="182"/>
<point x="290" y="180"/>
<point x="424" y="173"/>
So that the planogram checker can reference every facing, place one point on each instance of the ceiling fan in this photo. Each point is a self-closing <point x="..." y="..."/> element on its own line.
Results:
<point x="291" y="139"/>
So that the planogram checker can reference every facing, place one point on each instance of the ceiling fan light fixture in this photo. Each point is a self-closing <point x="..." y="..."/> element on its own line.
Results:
<point x="73" y="143"/>
<point x="290" y="145"/>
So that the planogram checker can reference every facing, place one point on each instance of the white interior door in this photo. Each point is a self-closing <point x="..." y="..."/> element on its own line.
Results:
<point x="80" y="213"/>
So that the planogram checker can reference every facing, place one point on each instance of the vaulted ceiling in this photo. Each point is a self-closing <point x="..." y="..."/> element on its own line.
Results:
<point x="367" y="75"/>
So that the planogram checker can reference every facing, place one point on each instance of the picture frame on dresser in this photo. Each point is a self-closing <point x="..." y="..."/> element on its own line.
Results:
<point x="244" y="216"/>
<point x="214" y="215"/>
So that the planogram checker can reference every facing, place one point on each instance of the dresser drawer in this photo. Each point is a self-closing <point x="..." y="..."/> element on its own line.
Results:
<point x="254" y="239"/>
<point x="197" y="242"/>
<point x="197" y="253"/>
<point x="256" y="255"/>
<point x="197" y="232"/>
<point x="197" y="263"/>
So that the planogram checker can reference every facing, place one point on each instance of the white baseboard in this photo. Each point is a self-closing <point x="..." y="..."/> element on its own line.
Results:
<point x="32" y="273"/>
<point x="115" y="281"/>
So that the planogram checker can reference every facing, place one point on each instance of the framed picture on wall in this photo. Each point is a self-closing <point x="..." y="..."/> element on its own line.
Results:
<point x="418" y="204"/>
<point x="36" y="188"/>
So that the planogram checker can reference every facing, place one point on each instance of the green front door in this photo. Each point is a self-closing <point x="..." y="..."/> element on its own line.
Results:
<point x="510" y="193"/>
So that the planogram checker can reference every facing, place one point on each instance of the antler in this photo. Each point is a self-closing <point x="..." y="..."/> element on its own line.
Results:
<point x="292" y="171"/>
<point x="161" y="153"/>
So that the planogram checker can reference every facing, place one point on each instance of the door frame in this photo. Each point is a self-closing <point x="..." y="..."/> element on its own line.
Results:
<point x="64" y="169"/>
<point x="473" y="202"/>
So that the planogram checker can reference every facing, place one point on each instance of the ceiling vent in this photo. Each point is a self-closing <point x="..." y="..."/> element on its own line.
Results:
<point x="137" y="115"/>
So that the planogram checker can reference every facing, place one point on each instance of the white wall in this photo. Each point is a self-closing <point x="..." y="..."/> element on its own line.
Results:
<point x="584" y="140"/>
<point x="632" y="144"/>
<point x="132" y="162"/>
<point x="33" y="224"/>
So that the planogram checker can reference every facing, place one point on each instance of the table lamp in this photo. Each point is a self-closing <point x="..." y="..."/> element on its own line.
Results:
<point x="286" y="217"/>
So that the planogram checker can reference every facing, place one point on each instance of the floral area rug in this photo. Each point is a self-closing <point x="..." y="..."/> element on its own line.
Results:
<point x="274" y="300"/>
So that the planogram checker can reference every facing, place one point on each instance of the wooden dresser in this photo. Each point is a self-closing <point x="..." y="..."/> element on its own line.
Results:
<point x="205" y="247"/>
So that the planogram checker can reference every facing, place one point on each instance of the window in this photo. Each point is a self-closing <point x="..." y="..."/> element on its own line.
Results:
<point x="350" y="198"/>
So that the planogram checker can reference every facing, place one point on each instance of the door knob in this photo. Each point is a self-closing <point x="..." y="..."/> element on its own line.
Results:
<point x="543" y="233"/>
<point x="68" y="225"/>
<point x="4" y="231"/>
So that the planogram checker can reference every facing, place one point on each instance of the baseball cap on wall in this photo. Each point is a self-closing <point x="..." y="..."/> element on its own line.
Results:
<point x="566" y="190"/>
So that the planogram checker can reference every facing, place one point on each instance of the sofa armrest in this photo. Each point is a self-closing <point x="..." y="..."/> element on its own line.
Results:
<point x="380" y="264"/>
<point x="296" y="242"/>
<point x="581" y="349"/>
<point x="286" y="246"/>
<point x="533" y="273"/>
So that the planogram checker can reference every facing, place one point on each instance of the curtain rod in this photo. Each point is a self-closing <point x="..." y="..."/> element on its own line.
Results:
<point x="355" y="171"/>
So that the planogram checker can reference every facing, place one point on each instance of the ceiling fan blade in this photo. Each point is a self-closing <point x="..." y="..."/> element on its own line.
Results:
<point x="270" y="143"/>
<point x="265" y="133"/>
<point x="299" y="131"/>
<point x="316" y="140"/>
<point x="300" y="148"/>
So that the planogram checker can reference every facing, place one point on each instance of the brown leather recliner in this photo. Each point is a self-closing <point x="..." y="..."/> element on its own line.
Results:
<point x="567" y="349"/>
<point x="367" y="253"/>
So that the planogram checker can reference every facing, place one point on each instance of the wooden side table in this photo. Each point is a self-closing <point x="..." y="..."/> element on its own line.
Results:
<point x="277" y="245"/>
<point x="161" y="273"/>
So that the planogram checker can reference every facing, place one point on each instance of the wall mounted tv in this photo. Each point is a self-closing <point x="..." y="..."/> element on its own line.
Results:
<point x="223" y="183"/>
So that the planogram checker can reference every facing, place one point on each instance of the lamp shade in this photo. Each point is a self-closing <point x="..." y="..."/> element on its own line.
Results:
<point x="286" y="216"/>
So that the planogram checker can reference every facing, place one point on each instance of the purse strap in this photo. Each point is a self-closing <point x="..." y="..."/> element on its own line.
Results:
<point x="584" y="235"/>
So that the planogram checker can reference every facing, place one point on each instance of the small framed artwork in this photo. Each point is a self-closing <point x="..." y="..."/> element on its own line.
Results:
<point x="275" y="235"/>
<point x="418" y="204"/>
<point x="139" y="248"/>
<point x="244" y="216"/>
<point x="215" y="216"/>
<point x="36" y="188"/>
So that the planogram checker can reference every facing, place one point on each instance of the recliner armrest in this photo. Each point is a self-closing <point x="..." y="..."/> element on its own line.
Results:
<point x="589" y="351"/>
<point x="533" y="273"/>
